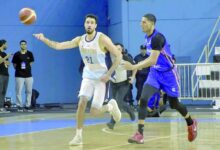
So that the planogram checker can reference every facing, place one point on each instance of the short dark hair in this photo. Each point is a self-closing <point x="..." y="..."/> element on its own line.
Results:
<point x="92" y="16"/>
<point x="151" y="17"/>
<point x="143" y="47"/>
<point x="23" y="41"/>
<point x="120" y="44"/>
<point x="2" y="42"/>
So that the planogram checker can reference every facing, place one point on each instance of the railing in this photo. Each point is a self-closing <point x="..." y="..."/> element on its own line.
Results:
<point x="207" y="50"/>
<point x="205" y="85"/>
<point x="205" y="55"/>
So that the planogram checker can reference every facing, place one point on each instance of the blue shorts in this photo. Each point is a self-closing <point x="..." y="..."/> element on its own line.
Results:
<point x="167" y="81"/>
<point x="153" y="102"/>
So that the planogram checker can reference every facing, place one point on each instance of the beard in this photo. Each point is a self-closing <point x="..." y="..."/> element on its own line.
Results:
<point x="23" y="48"/>
<point x="89" y="31"/>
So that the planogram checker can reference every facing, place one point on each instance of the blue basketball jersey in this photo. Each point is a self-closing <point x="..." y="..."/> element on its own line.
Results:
<point x="165" y="61"/>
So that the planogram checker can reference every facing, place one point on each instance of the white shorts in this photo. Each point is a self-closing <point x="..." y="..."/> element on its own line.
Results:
<point x="93" y="88"/>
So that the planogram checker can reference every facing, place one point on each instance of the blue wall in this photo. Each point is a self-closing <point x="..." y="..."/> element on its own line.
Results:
<point x="55" y="73"/>
<point x="187" y="24"/>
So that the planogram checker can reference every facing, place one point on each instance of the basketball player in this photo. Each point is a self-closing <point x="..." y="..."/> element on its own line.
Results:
<point x="93" y="46"/>
<point x="162" y="75"/>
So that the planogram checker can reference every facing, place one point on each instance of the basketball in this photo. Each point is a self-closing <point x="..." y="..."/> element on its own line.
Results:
<point x="27" y="16"/>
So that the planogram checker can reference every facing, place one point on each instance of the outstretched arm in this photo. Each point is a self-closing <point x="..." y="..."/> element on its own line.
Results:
<point x="150" y="61"/>
<point x="58" y="45"/>
<point x="4" y="59"/>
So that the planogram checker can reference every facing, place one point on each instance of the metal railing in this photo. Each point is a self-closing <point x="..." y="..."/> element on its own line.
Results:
<point x="204" y="85"/>
<point x="205" y="55"/>
<point x="207" y="50"/>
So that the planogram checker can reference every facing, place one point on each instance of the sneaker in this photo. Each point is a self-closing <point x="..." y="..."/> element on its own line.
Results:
<point x="116" y="114"/>
<point x="110" y="125"/>
<point x="192" y="131"/>
<point x="154" y="113"/>
<point x="136" y="138"/>
<point x="20" y="109"/>
<point x="28" y="109"/>
<point x="4" y="111"/>
<point x="77" y="140"/>
<point x="163" y="108"/>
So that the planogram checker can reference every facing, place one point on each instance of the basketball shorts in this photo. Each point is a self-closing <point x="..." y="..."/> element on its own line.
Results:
<point x="167" y="81"/>
<point x="95" y="90"/>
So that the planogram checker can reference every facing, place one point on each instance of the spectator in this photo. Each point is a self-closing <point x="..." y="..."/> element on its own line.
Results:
<point x="22" y="62"/>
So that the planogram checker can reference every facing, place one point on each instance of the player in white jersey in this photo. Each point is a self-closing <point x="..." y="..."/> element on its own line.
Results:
<point x="93" y="45"/>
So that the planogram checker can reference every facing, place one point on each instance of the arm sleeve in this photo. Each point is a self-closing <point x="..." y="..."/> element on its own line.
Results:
<point x="158" y="42"/>
<point x="14" y="60"/>
<point x="32" y="57"/>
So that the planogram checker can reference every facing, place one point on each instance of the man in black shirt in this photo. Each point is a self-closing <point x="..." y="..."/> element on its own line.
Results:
<point x="142" y="74"/>
<point x="22" y="62"/>
<point x="4" y="75"/>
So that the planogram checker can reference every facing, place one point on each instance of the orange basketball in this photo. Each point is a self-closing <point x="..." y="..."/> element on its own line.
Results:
<point x="27" y="16"/>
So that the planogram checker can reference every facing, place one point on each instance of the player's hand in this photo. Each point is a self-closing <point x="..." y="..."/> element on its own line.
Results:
<point x="9" y="55"/>
<point x="131" y="80"/>
<point x="39" y="36"/>
<point x="127" y="65"/>
<point x="105" y="78"/>
<point x="7" y="63"/>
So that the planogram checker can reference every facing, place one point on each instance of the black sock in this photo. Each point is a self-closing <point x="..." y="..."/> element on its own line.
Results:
<point x="141" y="128"/>
<point x="189" y="121"/>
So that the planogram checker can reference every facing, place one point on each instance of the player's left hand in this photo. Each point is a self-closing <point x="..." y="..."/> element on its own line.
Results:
<point x="105" y="78"/>
<point x="131" y="80"/>
<point x="127" y="65"/>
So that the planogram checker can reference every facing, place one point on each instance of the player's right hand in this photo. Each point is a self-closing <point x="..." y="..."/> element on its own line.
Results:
<point x="39" y="36"/>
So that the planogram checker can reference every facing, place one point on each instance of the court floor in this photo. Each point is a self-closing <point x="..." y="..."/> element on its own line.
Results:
<point x="53" y="131"/>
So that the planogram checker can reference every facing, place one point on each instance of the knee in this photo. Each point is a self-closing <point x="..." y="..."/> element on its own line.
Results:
<point x="173" y="102"/>
<point x="82" y="103"/>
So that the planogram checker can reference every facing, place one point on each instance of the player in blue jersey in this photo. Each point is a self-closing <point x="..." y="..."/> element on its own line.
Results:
<point x="162" y="76"/>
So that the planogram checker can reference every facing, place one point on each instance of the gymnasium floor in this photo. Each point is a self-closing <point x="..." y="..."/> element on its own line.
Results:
<point x="52" y="130"/>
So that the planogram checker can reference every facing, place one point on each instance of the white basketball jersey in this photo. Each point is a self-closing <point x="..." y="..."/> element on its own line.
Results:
<point x="93" y="57"/>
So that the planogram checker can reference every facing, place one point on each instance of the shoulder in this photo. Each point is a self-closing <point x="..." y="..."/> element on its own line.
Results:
<point x="16" y="53"/>
<point x="78" y="38"/>
<point x="103" y="37"/>
<point x="158" y="36"/>
<point x="29" y="52"/>
<point x="158" y="39"/>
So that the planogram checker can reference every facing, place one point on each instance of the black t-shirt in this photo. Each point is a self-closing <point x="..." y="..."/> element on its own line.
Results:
<point x="22" y="62"/>
<point x="3" y="66"/>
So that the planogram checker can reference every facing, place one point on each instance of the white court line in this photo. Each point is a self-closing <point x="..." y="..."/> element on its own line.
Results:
<point x="148" y="140"/>
<point x="111" y="132"/>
